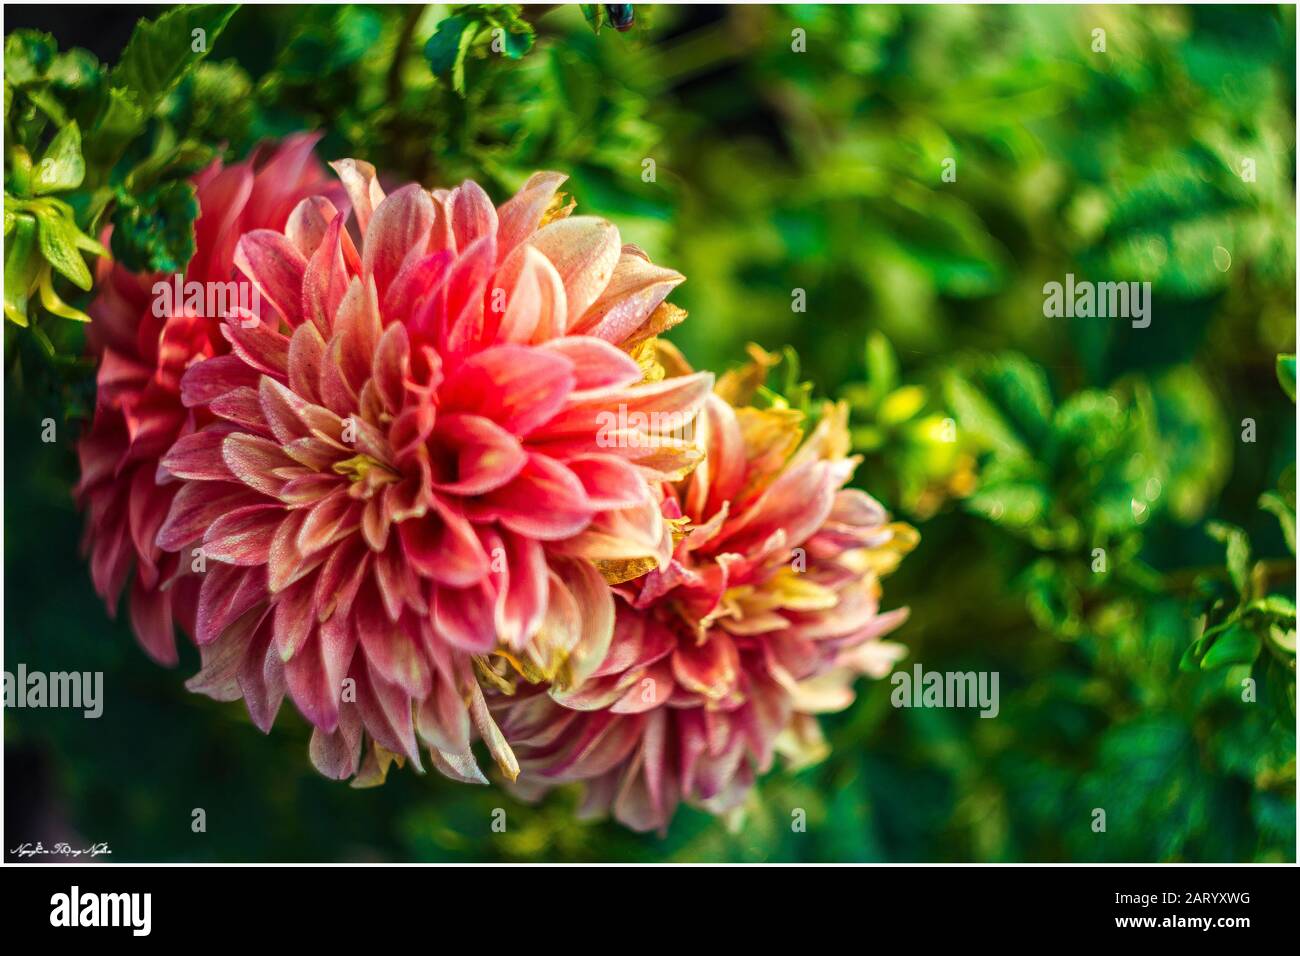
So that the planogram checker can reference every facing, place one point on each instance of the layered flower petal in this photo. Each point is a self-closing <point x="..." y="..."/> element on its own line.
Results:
<point x="146" y="401"/>
<point x="761" y="613"/>
<point x="400" y="465"/>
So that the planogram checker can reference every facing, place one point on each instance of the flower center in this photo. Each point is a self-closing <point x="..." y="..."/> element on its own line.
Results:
<point x="366" y="471"/>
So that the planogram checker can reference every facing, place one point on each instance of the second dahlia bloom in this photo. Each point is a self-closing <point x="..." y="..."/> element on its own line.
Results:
<point x="138" y="410"/>
<point x="409" y="464"/>
<point x="767" y="612"/>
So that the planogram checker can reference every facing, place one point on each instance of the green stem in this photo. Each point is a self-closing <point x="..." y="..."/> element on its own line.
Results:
<point x="399" y="54"/>
<point x="1278" y="570"/>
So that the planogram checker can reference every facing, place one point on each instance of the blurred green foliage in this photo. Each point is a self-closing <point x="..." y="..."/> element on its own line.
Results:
<point x="112" y="148"/>
<point x="1107" y="512"/>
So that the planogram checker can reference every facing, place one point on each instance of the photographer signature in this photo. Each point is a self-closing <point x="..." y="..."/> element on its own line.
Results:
<point x="59" y="849"/>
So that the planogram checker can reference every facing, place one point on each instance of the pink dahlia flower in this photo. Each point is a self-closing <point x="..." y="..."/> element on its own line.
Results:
<point x="138" y="409"/>
<point x="767" y="612"/>
<point x="416" y="459"/>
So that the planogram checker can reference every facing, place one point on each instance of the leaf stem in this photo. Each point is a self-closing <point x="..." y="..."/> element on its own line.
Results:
<point x="409" y="24"/>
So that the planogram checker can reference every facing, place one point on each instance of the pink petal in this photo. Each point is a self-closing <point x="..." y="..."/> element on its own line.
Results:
<point x="443" y="546"/>
<point x="306" y="355"/>
<point x="276" y="268"/>
<point x="261" y="679"/>
<point x="521" y="595"/>
<point x="308" y="223"/>
<point x="400" y="223"/>
<point x="536" y="308"/>
<point x="328" y="521"/>
<point x="325" y="279"/>
<point x="356" y="334"/>
<point x="421" y="272"/>
<point x="711" y="668"/>
<point x="252" y="459"/>
<point x="195" y="507"/>
<point x="593" y="596"/>
<point x="337" y="755"/>
<point x="656" y="408"/>
<point x="392" y="651"/>
<point x="544" y="501"/>
<point x="257" y="343"/>
<point x="464" y="617"/>
<point x="212" y="378"/>
<point x="584" y="251"/>
<point x="465" y="288"/>
<point x="243" y="537"/>
<point x="362" y="186"/>
<point x="610" y="482"/>
<point x="151" y="619"/>
<point x="635" y="290"/>
<point x="391" y="366"/>
<point x="596" y="363"/>
<point x="472" y="214"/>
<point x="226" y="593"/>
<point x="517" y="387"/>
<point x="293" y="619"/>
<point x="485" y="455"/>
<point x="519" y="216"/>
<point x="198" y="456"/>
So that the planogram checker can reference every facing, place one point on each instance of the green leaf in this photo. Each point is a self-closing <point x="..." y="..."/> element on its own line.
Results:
<point x="154" y="232"/>
<point x="22" y="263"/>
<point x="980" y="419"/>
<point x="214" y="104"/>
<point x="882" y="365"/>
<point x="594" y="14"/>
<point x="1194" y="441"/>
<point x="121" y="121"/>
<point x="1238" y="548"/>
<point x="61" y="168"/>
<point x="1091" y="421"/>
<point x="1286" y="374"/>
<point x="1019" y="388"/>
<point x="1012" y="504"/>
<point x="48" y="104"/>
<point x="168" y="161"/>
<point x="1052" y="599"/>
<point x="162" y="51"/>
<point x="1283" y="638"/>
<point x="28" y="55"/>
<point x="60" y="242"/>
<point x="901" y="405"/>
<point x="518" y="43"/>
<point x="76" y="69"/>
<point x="1189" y="663"/>
<point x="357" y="29"/>
<point x="1277" y="608"/>
<point x="517" y="34"/>
<point x="447" y="48"/>
<point x="1276" y="505"/>
<point x="1236" y="645"/>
